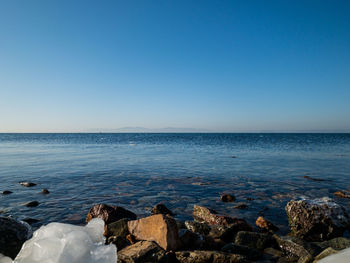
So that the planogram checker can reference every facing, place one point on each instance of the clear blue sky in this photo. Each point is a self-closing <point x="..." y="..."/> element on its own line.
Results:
<point x="209" y="65"/>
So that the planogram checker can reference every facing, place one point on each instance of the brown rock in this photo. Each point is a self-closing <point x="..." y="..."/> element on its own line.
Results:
<point x="228" y="198"/>
<point x="158" y="228"/>
<point x="264" y="224"/>
<point x="143" y="251"/>
<point x="206" y="215"/>
<point x="342" y="194"/>
<point x="161" y="209"/>
<point x="109" y="214"/>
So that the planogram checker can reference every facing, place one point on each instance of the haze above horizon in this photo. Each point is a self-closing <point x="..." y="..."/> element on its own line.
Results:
<point x="227" y="66"/>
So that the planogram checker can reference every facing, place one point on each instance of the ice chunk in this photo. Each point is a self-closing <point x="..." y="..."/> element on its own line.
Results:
<point x="341" y="257"/>
<point x="4" y="259"/>
<point x="65" y="243"/>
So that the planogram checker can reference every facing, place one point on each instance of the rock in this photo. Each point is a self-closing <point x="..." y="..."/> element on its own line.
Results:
<point x="191" y="240"/>
<point x="158" y="228"/>
<point x="206" y="215"/>
<point x="318" y="219"/>
<point x="27" y="184"/>
<point x="254" y="240"/>
<point x="325" y="253"/>
<point x="201" y="228"/>
<point x="30" y="221"/>
<point x="241" y="206"/>
<point x="118" y="228"/>
<point x="336" y="243"/>
<point x="201" y="256"/>
<point x="289" y="247"/>
<point x="119" y="241"/>
<point x="272" y="252"/>
<point x="227" y="198"/>
<point x="6" y="192"/>
<point x="250" y="253"/>
<point x="180" y="224"/>
<point x="342" y="194"/>
<point x="265" y="225"/>
<point x="109" y="214"/>
<point x="143" y="251"/>
<point x="13" y="235"/>
<point x="32" y="204"/>
<point x="161" y="209"/>
<point x="45" y="191"/>
<point x="315" y="179"/>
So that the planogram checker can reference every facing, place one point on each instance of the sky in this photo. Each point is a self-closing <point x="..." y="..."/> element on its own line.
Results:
<point x="220" y="66"/>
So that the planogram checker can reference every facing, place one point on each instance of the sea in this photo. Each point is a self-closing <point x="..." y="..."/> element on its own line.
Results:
<point x="139" y="170"/>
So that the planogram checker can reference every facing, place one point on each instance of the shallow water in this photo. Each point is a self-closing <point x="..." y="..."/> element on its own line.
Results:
<point x="137" y="171"/>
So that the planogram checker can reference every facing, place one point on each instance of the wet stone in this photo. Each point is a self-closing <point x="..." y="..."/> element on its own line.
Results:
<point x="45" y="191"/>
<point x="109" y="214"/>
<point x="227" y="198"/>
<point x="32" y="204"/>
<point x="6" y="192"/>
<point x="254" y="240"/>
<point x="27" y="184"/>
<point x="161" y="209"/>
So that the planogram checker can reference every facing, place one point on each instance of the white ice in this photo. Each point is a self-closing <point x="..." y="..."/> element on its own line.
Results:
<point x="65" y="243"/>
<point x="342" y="256"/>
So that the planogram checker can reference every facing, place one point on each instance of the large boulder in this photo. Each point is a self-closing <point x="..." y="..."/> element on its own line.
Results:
<point x="211" y="217"/>
<point x="143" y="251"/>
<point x="109" y="214"/>
<point x="158" y="228"/>
<point x="12" y="236"/>
<point x="317" y="219"/>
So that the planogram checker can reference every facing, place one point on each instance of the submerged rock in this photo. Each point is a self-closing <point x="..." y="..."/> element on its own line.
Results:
<point x="27" y="184"/>
<point x="32" y="204"/>
<point x="241" y="206"/>
<point x="6" y="192"/>
<point x="227" y="198"/>
<point x="158" y="228"/>
<point x="12" y="236"/>
<point x="265" y="225"/>
<point x="45" y="191"/>
<point x="109" y="214"/>
<point x="342" y="194"/>
<point x="161" y="209"/>
<point x="30" y="221"/>
<point x="318" y="219"/>
<point x="143" y="251"/>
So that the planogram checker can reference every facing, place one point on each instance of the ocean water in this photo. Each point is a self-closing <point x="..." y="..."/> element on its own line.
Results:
<point x="137" y="171"/>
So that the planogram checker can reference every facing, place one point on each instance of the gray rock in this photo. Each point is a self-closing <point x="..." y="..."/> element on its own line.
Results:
<point x="335" y="243"/>
<point x="12" y="236"/>
<point x="293" y="250"/>
<point x="318" y="219"/>
<point x="200" y="256"/>
<point x="254" y="240"/>
<point x="118" y="228"/>
<point x="250" y="253"/>
<point x="327" y="252"/>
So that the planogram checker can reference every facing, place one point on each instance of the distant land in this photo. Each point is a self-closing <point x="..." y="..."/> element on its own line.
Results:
<point x="150" y="130"/>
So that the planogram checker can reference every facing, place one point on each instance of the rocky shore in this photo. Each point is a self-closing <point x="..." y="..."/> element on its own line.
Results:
<point x="317" y="227"/>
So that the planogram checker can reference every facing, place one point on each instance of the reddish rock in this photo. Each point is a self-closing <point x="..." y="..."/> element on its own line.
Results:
<point x="342" y="194"/>
<point x="264" y="224"/>
<point x="158" y="228"/>
<point x="210" y="216"/>
<point x="109" y="214"/>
